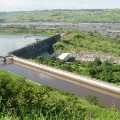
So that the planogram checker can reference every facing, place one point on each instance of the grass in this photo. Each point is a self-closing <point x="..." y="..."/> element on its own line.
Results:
<point x="87" y="41"/>
<point x="52" y="99"/>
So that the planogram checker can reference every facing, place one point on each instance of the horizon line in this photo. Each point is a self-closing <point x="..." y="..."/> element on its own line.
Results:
<point x="64" y="9"/>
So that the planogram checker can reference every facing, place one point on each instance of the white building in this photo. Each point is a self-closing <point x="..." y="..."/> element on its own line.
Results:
<point x="64" y="56"/>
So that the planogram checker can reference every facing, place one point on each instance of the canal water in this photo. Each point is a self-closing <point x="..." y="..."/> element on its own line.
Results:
<point x="40" y="78"/>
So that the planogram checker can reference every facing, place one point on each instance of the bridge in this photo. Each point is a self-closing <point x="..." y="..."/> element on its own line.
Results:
<point x="6" y="58"/>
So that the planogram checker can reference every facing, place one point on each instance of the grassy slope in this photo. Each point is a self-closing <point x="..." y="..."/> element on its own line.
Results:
<point x="78" y="40"/>
<point x="63" y="15"/>
<point x="55" y="97"/>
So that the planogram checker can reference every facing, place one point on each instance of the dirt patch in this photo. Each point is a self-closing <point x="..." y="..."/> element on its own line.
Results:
<point x="88" y="56"/>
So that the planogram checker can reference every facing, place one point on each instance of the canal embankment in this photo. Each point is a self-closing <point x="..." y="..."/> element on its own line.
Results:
<point x="90" y="83"/>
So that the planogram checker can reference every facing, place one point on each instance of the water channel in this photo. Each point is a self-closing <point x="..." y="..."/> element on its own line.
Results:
<point x="12" y="42"/>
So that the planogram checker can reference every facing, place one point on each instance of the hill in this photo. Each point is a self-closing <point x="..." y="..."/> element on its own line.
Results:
<point x="90" y="15"/>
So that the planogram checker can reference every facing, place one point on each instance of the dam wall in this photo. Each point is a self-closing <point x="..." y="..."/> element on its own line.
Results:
<point x="37" y="48"/>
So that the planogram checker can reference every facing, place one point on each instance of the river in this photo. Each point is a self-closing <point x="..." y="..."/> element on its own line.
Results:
<point x="13" y="42"/>
<point x="112" y="29"/>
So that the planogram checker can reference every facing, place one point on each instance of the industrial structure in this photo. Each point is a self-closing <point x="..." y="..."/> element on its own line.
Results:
<point x="64" y="56"/>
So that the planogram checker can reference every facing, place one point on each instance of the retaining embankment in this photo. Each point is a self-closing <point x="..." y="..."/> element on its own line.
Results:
<point x="90" y="83"/>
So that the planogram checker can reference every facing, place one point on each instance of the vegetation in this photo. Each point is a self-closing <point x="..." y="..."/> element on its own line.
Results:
<point x="105" y="71"/>
<point x="93" y="15"/>
<point x="88" y="41"/>
<point x="24" y="30"/>
<point x="23" y="100"/>
<point x="76" y="41"/>
<point x="73" y="40"/>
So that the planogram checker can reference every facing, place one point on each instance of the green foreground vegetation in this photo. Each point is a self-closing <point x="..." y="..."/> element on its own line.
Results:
<point x="23" y="100"/>
<point x="93" y="15"/>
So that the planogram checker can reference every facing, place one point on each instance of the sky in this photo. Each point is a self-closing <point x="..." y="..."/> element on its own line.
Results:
<point x="29" y="5"/>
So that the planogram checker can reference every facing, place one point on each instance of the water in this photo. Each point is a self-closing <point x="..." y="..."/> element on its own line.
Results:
<point x="9" y="43"/>
<point x="112" y="29"/>
<point x="79" y="91"/>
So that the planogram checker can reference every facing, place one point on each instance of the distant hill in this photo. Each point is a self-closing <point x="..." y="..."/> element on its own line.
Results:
<point x="85" y="15"/>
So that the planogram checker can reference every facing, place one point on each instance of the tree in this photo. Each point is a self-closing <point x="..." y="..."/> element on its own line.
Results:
<point x="91" y="99"/>
<point x="107" y="63"/>
<point x="92" y="71"/>
<point x="97" y="61"/>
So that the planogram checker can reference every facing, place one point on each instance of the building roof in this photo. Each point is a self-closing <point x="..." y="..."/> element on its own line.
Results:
<point x="63" y="56"/>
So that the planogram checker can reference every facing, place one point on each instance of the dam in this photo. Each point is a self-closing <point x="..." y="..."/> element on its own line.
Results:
<point x="37" y="48"/>
<point x="46" y="76"/>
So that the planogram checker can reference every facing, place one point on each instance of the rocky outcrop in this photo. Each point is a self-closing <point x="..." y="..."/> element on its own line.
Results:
<point x="90" y="56"/>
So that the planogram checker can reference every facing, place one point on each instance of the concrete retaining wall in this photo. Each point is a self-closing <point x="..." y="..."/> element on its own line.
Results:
<point x="90" y="83"/>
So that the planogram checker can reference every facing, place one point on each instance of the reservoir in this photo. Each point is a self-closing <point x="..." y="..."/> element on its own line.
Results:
<point x="9" y="43"/>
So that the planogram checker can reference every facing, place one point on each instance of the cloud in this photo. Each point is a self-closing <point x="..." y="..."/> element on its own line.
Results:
<point x="26" y="5"/>
<point x="13" y="5"/>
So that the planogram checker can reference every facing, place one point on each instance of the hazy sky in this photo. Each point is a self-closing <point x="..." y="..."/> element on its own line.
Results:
<point x="27" y="5"/>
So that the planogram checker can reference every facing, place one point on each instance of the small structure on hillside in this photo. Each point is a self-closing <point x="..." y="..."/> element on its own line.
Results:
<point x="64" y="56"/>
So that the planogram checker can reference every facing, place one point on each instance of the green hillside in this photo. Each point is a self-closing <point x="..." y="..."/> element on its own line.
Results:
<point x="81" y="40"/>
<point x="23" y="100"/>
<point x="92" y="15"/>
